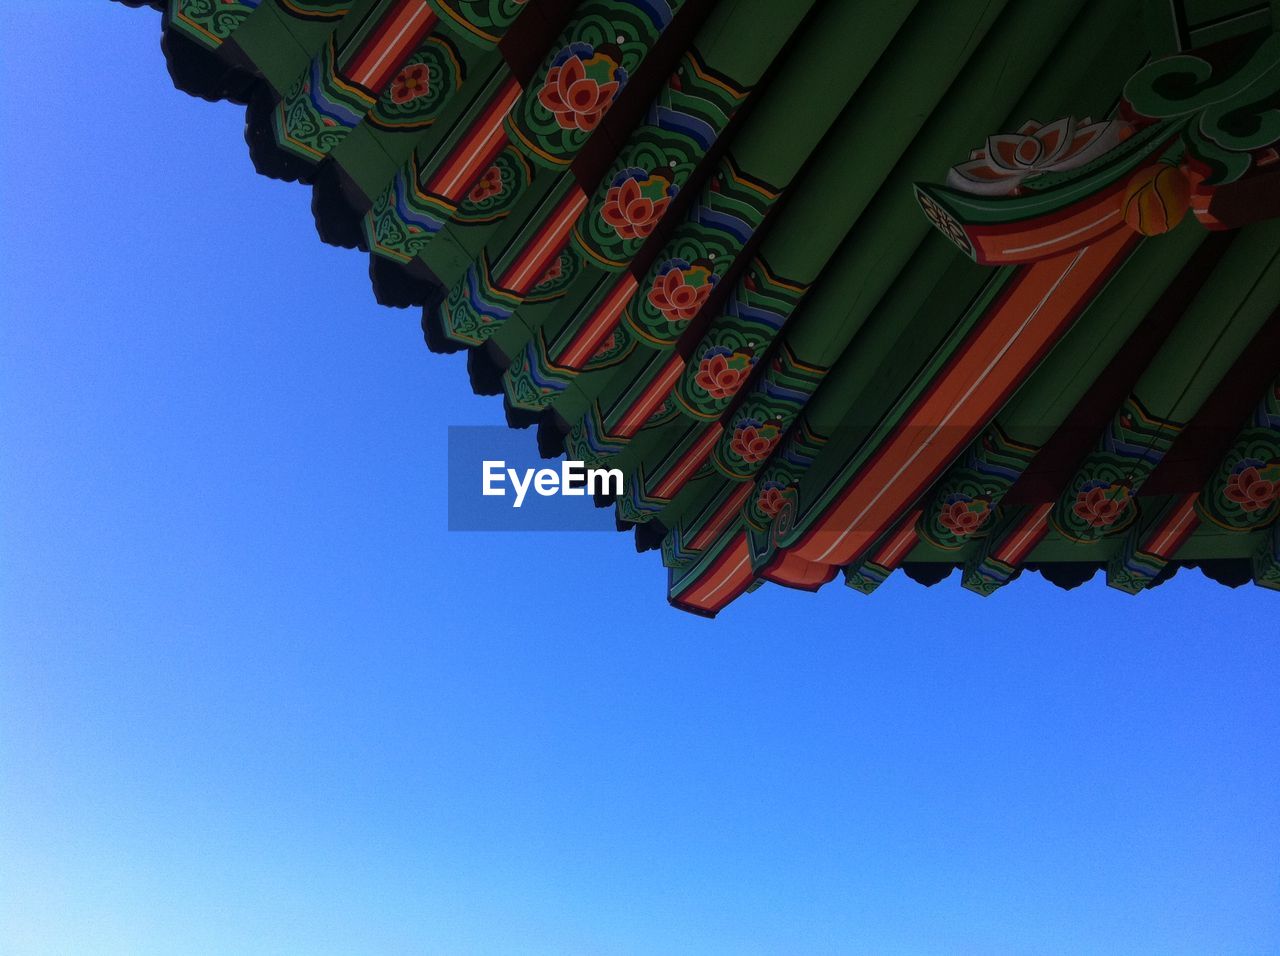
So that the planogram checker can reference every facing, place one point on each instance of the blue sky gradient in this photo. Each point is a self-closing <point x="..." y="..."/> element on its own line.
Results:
<point x="255" y="698"/>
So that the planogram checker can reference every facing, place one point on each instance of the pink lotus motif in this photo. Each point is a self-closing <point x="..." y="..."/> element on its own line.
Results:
<point x="721" y="371"/>
<point x="581" y="85"/>
<point x="636" y="200"/>
<point x="680" y="289"/>
<point x="1254" y="485"/>
<point x="753" y="440"/>
<point x="1100" y="504"/>
<point x="999" y="167"/>
<point x="770" y="500"/>
<point x="963" y="515"/>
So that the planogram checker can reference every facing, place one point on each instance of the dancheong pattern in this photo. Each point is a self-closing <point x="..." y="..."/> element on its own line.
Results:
<point x="834" y="285"/>
<point x="321" y="10"/>
<point x="683" y="122"/>
<point x="965" y="499"/>
<point x="476" y="305"/>
<point x="722" y="362"/>
<point x="210" y="22"/>
<point x="485" y="22"/>
<point x="729" y="208"/>
<point x="1099" y="500"/>
<point x="318" y="113"/>
<point x="421" y="87"/>
<point x="617" y="346"/>
<point x="494" y="193"/>
<point x="726" y="214"/>
<point x="584" y="75"/>
<point x="764" y="415"/>
<point x="778" y="480"/>
<point x="560" y="275"/>
<point x="1213" y="125"/>
<point x="1244" y="493"/>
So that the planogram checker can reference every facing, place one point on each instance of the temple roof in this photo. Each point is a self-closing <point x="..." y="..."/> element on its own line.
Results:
<point x="842" y="287"/>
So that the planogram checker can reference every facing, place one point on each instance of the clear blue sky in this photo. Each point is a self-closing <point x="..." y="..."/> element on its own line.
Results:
<point x="254" y="698"/>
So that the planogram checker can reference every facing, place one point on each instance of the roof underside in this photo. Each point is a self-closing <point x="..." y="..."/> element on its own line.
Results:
<point x="842" y="286"/>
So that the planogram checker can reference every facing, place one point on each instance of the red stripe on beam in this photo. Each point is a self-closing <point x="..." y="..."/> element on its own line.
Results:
<point x="900" y="544"/>
<point x="477" y="149"/>
<point x="963" y="398"/>
<point x="688" y="463"/>
<point x="717" y="522"/>
<point x="1022" y="327"/>
<point x="535" y="258"/>
<point x="1020" y="542"/>
<point x="601" y="322"/>
<point x="390" y="45"/>
<point x="651" y="397"/>
<point x="1165" y="540"/>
